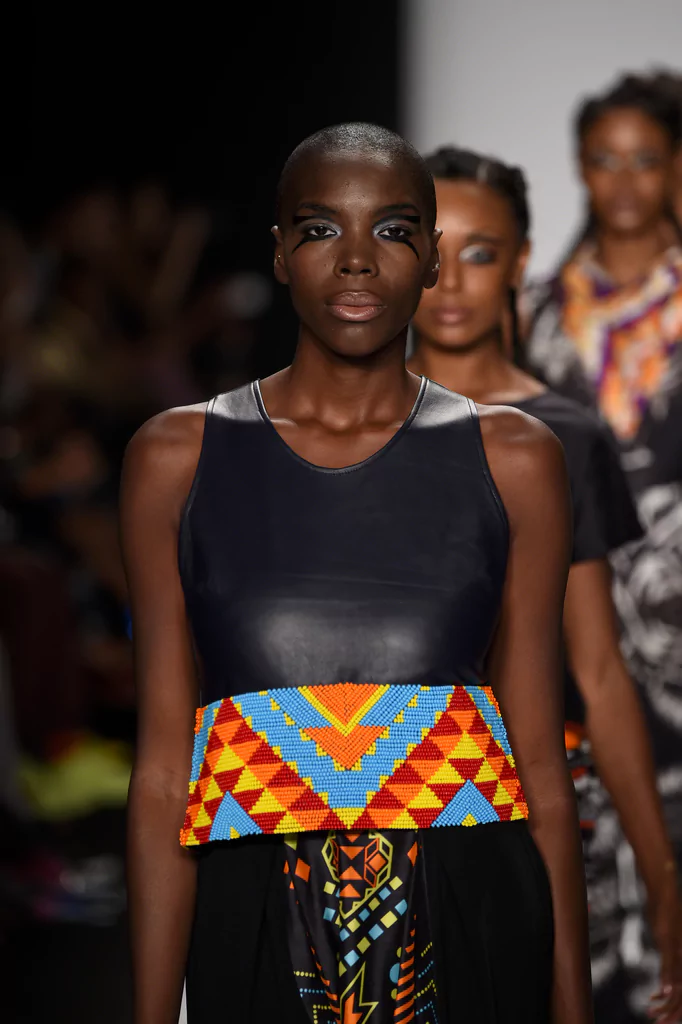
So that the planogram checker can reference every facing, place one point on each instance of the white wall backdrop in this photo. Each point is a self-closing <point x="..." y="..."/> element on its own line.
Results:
<point x="504" y="76"/>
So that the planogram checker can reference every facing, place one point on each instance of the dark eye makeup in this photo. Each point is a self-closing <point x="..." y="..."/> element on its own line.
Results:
<point x="394" y="232"/>
<point x="478" y="254"/>
<point x="314" y="230"/>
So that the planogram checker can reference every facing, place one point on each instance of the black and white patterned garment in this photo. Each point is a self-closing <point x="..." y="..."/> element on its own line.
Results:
<point x="648" y="596"/>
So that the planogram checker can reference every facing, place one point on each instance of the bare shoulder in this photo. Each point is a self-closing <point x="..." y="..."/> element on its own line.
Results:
<point x="171" y="435"/>
<point x="513" y="434"/>
<point x="162" y="456"/>
<point x="525" y="457"/>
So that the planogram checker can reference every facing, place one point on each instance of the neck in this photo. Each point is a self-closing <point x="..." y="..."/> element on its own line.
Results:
<point x="481" y="371"/>
<point x="345" y="392"/>
<point x="627" y="259"/>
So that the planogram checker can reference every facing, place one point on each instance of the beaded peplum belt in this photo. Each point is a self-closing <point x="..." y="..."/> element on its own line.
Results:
<point x="350" y="756"/>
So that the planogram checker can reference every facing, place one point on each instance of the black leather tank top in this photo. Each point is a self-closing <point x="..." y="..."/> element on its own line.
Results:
<point x="342" y="619"/>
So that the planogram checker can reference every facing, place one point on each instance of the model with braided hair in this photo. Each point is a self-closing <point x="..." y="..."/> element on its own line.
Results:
<point x="606" y="329"/>
<point x="463" y="328"/>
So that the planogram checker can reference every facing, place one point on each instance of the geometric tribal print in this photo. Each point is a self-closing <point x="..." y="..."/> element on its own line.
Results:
<point x="350" y="756"/>
<point x="358" y="927"/>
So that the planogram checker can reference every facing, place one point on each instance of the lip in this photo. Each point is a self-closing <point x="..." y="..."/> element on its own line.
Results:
<point x="451" y="316"/>
<point x="356" y="307"/>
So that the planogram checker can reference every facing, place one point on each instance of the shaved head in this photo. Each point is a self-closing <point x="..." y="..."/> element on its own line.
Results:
<point x="358" y="140"/>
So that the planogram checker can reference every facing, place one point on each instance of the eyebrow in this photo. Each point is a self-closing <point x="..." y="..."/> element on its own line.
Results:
<point x="401" y="208"/>
<point x="383" y="211"/>
<point x="481" y="236"/>
<point x="325" y="211"/>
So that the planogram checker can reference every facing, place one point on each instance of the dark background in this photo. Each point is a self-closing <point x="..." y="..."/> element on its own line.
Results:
<point x="210" y="104"/>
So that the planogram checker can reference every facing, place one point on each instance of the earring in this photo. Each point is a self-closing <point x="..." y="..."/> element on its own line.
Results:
<point x="436" y="266"/>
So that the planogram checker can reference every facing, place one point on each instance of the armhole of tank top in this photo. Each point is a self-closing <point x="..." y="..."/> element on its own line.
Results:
<point x="485" y="466"/>
<point x="184" y="530"/>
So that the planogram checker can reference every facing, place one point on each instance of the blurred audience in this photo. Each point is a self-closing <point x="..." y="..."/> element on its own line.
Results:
<point x="113" y="310"/>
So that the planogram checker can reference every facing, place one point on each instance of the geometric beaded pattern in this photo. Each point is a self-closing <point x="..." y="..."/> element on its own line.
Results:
<point x="350" y="756"/>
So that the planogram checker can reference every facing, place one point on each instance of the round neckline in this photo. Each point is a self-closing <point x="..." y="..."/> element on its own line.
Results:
<point x="404" y="426"/>
<point x="530" y="399"/>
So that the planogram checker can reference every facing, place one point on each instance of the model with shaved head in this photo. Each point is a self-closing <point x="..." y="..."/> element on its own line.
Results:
<point x="343" y="576"/>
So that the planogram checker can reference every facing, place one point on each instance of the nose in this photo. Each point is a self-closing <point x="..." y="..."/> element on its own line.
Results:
<point x="450" y="276"/>
<point x="625" y="171"/>
<point x="355" y="256"/>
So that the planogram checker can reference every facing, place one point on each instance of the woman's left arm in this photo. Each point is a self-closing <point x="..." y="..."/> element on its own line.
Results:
<point x="527" y="464"/>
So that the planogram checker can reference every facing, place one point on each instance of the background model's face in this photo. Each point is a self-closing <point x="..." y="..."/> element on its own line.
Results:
<point x="628" y="168"/>
<point x="480" y="260"/>
<point x="356" y="249"/>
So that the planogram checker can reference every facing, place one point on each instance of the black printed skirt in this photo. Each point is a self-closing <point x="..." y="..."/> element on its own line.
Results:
<point x="438" y="926"/>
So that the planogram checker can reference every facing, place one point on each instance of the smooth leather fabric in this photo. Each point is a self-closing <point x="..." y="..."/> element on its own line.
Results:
<point x="390" y="571"/>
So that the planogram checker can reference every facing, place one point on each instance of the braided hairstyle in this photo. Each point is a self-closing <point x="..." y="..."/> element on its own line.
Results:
<point x="452" y="164"/>
<point x="652" y="96"/>
<point x="669" y="83"/>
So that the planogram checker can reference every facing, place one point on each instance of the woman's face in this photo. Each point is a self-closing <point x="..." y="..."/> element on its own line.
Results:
<point x="627" y="164"/>
<point x="355" y="247"/>
<point x="481" y="258"/>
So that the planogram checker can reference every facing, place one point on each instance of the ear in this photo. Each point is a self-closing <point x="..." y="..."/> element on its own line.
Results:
<point x="279" y="264"/>
<point x="433" y="268"/>
<point x="521" y="265"/>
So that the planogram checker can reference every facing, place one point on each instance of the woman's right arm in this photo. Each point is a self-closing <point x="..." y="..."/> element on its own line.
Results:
<point x="157" y="475"/>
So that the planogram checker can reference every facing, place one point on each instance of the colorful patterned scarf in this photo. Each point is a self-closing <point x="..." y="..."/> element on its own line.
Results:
<point x="624" y="336"/>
